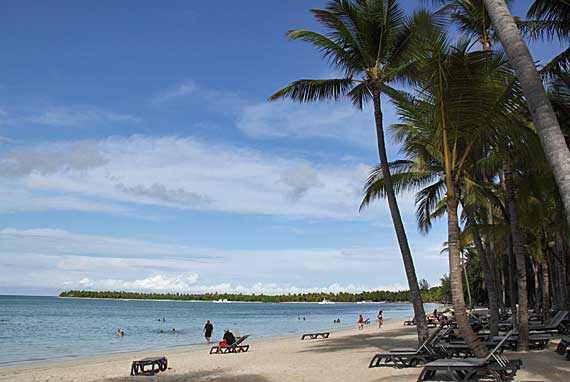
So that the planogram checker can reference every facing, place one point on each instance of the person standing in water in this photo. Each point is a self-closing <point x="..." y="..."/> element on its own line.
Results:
<point x="208" y="330"/>
<point x="380" y="319"/>
<point x="360" y="322"/>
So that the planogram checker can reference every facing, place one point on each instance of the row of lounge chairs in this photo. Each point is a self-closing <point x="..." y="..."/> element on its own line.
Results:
<point x="437" y="357"/>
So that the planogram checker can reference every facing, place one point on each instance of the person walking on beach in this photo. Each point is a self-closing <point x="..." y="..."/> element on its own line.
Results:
<point x="208" y="330"/>
<point x="380" y="319"/>
<point x="360" y="322"/>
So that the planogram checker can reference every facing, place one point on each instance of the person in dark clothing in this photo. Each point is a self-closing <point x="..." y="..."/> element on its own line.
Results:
<point x="208" y="330"/>
<point x="228" y="340"/>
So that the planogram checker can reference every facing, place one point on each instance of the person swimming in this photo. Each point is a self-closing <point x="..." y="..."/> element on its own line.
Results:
<point x="173" y="330"/>
<point x="119" y="332"/>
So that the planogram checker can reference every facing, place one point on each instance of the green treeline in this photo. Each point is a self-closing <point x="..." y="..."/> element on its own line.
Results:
<point x="434" y="294"/>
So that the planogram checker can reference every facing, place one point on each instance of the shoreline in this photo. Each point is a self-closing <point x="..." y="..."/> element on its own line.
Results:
<point x="343" y="356"/>
<point x="188" y="347"/>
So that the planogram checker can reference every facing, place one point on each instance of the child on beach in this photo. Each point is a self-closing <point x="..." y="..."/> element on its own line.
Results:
<point x="360" y="322"/>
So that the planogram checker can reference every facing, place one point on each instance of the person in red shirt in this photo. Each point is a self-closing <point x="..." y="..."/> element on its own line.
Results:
<point x="360" y="322"/>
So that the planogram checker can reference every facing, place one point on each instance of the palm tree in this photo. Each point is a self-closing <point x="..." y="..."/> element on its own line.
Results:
<point x="474" y="21"/>
<point x="550" y="19"/>
<point x="371" y="42"/>
<point x="442" y="129"/>
<point x="543" y="115"/>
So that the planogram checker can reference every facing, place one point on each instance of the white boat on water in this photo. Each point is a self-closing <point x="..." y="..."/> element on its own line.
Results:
<point x="370" y="302"/>
<point x="224" y="301"/>
<point x="326" y="302"/>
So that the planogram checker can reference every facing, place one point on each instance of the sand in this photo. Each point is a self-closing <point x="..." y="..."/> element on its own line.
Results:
<point x="342" y="357"/>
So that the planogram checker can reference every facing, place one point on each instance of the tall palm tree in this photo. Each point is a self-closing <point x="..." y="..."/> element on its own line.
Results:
<point x="442" y="128"/>
<point x="543" y="115"/>
<point x="474" y="21"/>
<point x="371" y="42"/>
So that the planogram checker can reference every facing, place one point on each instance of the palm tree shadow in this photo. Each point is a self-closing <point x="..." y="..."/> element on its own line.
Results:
<point x="365" y="342"/>
<point x="214" y="375"/>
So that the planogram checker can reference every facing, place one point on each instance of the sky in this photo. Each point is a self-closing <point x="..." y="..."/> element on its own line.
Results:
<point x="138" y="152"/>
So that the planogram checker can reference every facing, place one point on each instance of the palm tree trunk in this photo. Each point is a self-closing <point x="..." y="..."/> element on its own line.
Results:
<point x="545" y="286"/>
<point x="561" y="255"/>
<point x="520" y="260"/>
<point x="490" y="281"/>
<point x="458" y="299"/>
<point x="547" y="125"/>
<point x="512" y="279"/>
<point x="419" y="313"/>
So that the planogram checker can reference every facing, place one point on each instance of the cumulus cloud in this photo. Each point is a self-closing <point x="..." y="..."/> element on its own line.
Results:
<point x="157" y="282"/>
<point x="123" y="173"/>
<point x="56" y="259"/>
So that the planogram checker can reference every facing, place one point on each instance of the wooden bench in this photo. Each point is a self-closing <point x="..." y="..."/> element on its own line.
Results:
<point x="314" y="336"/>
<point x="138" y="367"/>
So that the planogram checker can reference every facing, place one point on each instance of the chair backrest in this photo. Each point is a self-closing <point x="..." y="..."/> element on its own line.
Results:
<point x="240" y="340"/>
<point x="558" y="318"/>
<point x="495" y="353"/>
<point x="553" y="318"/>
<point x="427" y="345"/>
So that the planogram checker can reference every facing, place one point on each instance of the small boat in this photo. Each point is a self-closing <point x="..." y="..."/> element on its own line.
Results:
<point x="370" y="302"/>
<point x="224" y="301"/>
<point x="326" y="302"/>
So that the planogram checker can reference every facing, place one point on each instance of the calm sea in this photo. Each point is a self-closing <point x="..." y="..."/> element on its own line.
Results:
<point x="40" y="329"/>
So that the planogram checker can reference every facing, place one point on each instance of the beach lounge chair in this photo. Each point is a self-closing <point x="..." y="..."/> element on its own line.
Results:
<point x="138" y="367"/>
<point x="314" y="336"/>
<point x="493" y="367"/>
<point x="410" y="322"/>
<point x="407" y="357"/>
<point x="556" y="324"/>
<point x="563" y="345"/>
<point x="537" y="341"/>
<point x="236" y="347"/>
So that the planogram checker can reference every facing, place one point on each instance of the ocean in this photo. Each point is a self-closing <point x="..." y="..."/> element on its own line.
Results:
<point x="43" y="329"/>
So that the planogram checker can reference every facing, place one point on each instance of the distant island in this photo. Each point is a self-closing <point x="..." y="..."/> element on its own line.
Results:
<point x="433" y="294"/>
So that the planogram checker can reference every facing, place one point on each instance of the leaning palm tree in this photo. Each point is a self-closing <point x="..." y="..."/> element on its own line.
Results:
<point x="442" y="130"/>
<point x="371" y="42"/>
<point x="547" y="126"/>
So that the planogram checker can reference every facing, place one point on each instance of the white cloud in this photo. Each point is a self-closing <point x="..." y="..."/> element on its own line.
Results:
<point x="56" y="259"/>
<point x="300" y="179"/>
<point x="79" y="116"/>
<point x="158" y="282"/>
<point x="181" y="89"/>
<point x="335" y="121"/>
<point x="184" y="173"/>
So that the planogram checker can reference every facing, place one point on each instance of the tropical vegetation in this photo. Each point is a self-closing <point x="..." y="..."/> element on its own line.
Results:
<point x="439" y="294"/>
<point x="483" y="134"/>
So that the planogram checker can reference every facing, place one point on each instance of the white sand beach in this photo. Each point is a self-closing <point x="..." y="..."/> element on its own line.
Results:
<point x="342" y="357"/>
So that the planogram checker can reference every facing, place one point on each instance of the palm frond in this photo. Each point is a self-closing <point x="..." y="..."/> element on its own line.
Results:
<point x="315" y="90"/>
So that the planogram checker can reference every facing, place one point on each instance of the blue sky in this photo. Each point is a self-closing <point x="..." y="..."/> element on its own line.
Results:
<point x="137" y="151"/>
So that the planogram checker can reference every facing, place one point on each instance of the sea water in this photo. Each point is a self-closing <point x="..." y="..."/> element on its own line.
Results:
<point x="41" y="329"/>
